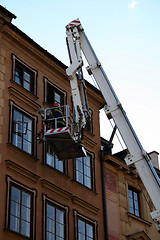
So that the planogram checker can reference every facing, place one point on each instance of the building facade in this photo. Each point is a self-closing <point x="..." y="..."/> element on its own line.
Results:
<point x="128" y="205"/>
<point x="40" y="196"/>
<point x="88" y="198"/>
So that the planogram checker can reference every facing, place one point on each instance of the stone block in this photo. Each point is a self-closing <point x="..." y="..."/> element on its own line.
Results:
<point x="1" y="120"/>
<point x="3" y="52"/>
<point x="122" y="188"/>
<point x="1" y="76"/>
<point x="2" y="60"/>
<point x="122" y="201"/>
<point x="1" y="102"/>
<point x="2" y="68"/>
<point x="123" y="215"/>
<point x="2" y="85"/>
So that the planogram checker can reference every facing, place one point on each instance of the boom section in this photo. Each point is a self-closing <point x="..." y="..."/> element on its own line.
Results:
<point x="113" y="107"/>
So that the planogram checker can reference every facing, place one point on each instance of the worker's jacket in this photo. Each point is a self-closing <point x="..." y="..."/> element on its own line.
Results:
<point x="57" y="113"/>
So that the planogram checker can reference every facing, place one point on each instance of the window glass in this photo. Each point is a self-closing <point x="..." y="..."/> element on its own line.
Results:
<point x="24" y="76"/>
<point x="55" y="223"/>
<point x="134" y="201"/>
<point x="54" y="95"/>
<point x="52" y="159"/>
<point x="22" y="135"/>
<point x="85" y="230"/>
<point x="84" y="170"/>
<point x="20" y="211"/>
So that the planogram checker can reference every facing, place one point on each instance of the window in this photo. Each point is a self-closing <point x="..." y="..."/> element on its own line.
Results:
<point x="24" y="75"/>
<point x="84" y="171"/>
<point x="56" y="220"/>
<point x="52" y="159"/>
<point x="85" y="228"/>
<point x="53" y="93"/>
<point x="22" y="129"/>
<point x="89" y="123"/>
<point x="134" y="201"/>
<point x="20" y="209"/>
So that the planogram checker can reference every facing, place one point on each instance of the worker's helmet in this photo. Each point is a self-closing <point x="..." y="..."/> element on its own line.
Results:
<point x="56" y="104"/>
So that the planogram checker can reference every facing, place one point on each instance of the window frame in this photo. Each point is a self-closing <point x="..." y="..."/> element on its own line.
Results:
<point x="92" y="161"/>
<point x="59" y="206"/>
<point x="87" y="220"/>
<point x="56" y="89"/>
<point x="34" y="119"/>
<point x="134" y="190"/>
<point x="26" y="68"/>
<point x="33" y="193"/>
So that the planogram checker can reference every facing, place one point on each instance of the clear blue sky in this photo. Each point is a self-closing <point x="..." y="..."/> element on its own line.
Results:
<point x="126" y="38"/>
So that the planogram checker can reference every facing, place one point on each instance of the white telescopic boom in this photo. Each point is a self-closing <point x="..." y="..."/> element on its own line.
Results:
<point x="137" y="155"/>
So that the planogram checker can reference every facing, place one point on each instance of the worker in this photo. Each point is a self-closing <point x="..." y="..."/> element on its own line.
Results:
<point x="58" y="115"/>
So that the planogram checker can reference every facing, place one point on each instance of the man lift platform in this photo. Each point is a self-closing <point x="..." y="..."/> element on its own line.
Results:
<point x="66" y="145"/>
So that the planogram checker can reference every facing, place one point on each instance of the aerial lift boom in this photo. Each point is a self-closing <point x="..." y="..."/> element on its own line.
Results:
<point x="77" y="42"/>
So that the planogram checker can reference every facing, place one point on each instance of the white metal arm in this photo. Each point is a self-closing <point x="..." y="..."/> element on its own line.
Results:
<point x="137" y="155"/>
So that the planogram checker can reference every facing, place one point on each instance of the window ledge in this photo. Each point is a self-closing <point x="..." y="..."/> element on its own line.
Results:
<point x="139" y="219"/>
<point x="84" y="187"/>
<point x="23" y="153"/>
<point x="56" y="170"/>
<point x="16" y="233"/>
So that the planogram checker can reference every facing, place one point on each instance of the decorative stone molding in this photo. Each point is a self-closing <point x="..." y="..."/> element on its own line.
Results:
<point x="52" y="187"/>
<point x="85" y="205"/>
<point x="22" y="171"/>
<point x="15" y="91"/>
<point x="89" y="142"/>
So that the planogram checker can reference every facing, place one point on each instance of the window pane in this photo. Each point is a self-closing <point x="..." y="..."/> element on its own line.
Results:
<point x="130" y="193"/>
<point x="50" y="225"/>
<point x="18" y="76"/>
<point x="79" y="177"/>
<point x="50" y="160"/>
<point x="59" y="216"/>
<point x="137" y="213"/>
<point x="25" y="214"/>
<point x="27" y="77"/>
<point x="131" y="202"/>
<point x="87" y="181"/>
<point x="15" y="209"/>
<point x="59" y="230"/>
<point x="27" y="146"/>
<point x="89" y="230"/>
<point x="57" y="98"/>
<point x="15" y="194"/>
<point x="14" y="223"/>
<point x="50" y="212"/>
<point x="81" y="226"/>
<point x="26" y="199"/>
<point x="87" y="171"/>
<point x="87" y="160"/>
<point x="25" y="228"/>
<point x="135" y="196"/>
<point x="29" y="121"/>
<point x="81" y="236"/>
<point x="59" y="164"/>
<point x="50" y="236"/>
<point x="79" y="166"/>
<point x="27" y="85"/>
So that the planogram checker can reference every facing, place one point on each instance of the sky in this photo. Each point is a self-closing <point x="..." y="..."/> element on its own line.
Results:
<point x="126" y="38"/>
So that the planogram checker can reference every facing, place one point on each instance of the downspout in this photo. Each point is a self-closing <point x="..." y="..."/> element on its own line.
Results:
<point x="104" y="196"/>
